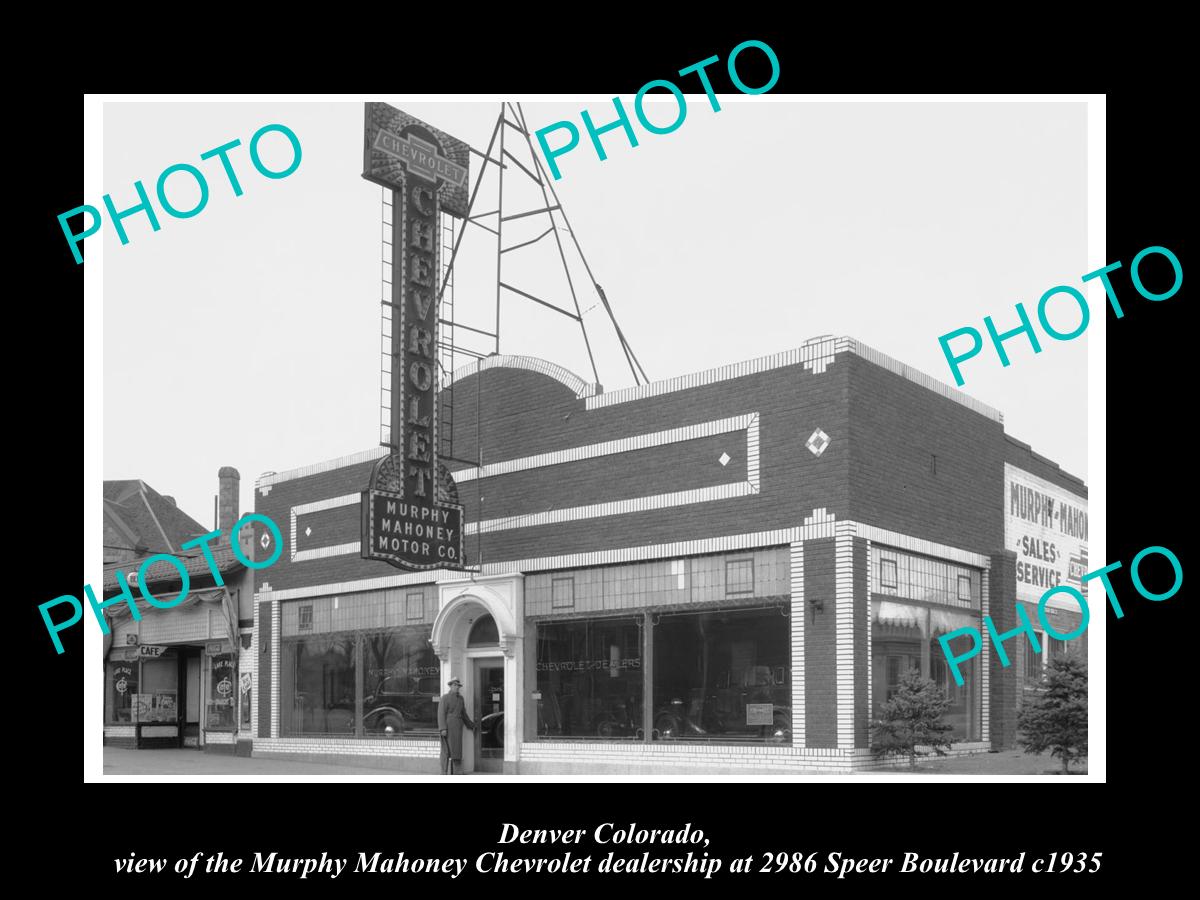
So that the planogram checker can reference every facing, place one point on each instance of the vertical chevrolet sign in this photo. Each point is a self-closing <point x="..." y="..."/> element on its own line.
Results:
<point x="410" y="515"/>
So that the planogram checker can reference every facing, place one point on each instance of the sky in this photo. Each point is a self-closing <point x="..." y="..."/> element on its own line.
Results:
<point x="248" y="334"/>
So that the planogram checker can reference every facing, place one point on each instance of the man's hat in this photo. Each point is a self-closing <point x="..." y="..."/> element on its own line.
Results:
<point x="455" y="681"/>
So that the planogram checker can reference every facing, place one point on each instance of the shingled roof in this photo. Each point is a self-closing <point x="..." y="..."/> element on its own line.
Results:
<point x="140" y="522"/>
<point x="164" y="574"/>
<point x="146" y="519"/>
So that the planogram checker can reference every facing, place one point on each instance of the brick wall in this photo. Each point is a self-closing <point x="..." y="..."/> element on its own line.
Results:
<point x="862" y="645"/>
<point x="897" y="427"/>
<point x="820" y="649"/>
<point x="1003" y="684"/>
<point x="1023" y="456"/>
<point x="263" y="668"/>
<point x="901" y="456"/>
<point x="526" y="414"/>
<point x="121" y="736"/>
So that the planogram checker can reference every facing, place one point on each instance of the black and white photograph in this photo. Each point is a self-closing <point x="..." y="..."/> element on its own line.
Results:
<point x="637" y="446"/>
<point x="572" y="466"/>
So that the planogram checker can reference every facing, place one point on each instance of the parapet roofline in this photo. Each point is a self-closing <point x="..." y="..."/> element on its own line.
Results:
<point x="1044" y="460"/>
<point x="815" y="355"/>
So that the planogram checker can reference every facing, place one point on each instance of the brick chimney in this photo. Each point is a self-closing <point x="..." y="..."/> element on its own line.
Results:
<point x="227" y="501"/>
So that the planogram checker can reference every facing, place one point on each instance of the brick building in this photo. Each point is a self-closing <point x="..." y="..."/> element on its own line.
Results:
<point x="171" y="678"/>
<point x="724" y="571"/>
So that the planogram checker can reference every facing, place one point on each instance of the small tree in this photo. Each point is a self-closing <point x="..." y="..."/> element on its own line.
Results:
<point x="912" y="718"/>
<point x="1056" y="718"/>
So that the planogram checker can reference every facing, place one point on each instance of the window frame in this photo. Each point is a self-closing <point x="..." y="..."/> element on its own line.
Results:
<point x="967" y="578"/>
<point x="895" y="564"/>
<point x="1035" y="676"/>
<point x="411" y="599"/>
<point x="554" y="582"/>
<point x="740" y="592"/>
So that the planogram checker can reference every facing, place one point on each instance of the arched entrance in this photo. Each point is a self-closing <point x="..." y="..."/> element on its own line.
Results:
<point x="477" y="638"/>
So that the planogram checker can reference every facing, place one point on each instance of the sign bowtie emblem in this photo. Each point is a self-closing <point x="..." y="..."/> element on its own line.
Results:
<point x="421" y="157"/>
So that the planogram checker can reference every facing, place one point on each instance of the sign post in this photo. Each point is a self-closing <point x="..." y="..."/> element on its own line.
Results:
<point x="410" y="515"/>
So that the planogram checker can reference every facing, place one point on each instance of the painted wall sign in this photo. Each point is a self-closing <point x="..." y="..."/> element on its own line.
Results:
<point x="584" y="665"/>
<point x="220" y="694"/>
<point x="124" y="679"/>
<point x="151" y="650"/>
<point x="411" y="517"/>
<point x="1047" y="526"/>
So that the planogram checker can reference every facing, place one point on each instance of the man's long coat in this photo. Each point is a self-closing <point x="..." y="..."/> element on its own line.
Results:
<point x="452" y="715"/>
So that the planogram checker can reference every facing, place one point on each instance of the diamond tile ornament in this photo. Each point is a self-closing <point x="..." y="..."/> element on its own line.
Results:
<point x="817" y="442"/>
<point x="723" y="459"/>
<point x="308" y="532"/>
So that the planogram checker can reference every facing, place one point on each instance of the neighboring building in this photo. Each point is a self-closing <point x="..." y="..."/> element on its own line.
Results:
<point x="725" y="571"/>
<point x="173" y="679"/>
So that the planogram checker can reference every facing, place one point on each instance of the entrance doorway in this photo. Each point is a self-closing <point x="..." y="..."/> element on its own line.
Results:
<point x="489" y="715"/>
<point x="190" y="705"/>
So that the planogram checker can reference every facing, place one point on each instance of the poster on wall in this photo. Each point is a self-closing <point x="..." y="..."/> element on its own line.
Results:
<point x="1047" y="526"/>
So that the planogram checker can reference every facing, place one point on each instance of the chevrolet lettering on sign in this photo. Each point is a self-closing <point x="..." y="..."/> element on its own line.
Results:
<point x="410" y="512"/>
<point x="397" y="147"/>
<point x="421" y="157"/>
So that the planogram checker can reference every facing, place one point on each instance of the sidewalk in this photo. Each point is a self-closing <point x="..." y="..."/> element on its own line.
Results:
<point x="1006" y="762"/>
<point x="151" y="763"/>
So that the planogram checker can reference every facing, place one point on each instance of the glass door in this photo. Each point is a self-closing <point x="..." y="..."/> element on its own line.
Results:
<point x="489" y="715"/>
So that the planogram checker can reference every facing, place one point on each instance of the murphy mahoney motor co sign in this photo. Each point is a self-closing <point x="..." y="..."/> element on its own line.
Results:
<point x="409" y="518"/>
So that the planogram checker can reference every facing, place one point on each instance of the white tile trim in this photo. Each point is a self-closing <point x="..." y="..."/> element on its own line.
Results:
<point x="531" y="364"/>
<point x="918" y="377"/>
<point x="275" y="644"/>
<point x="748" y="423"/>
<point x="265" y="481"/>
<point x="615" y="508"/>
<point x="256" y="670"/>
<point x="698" y="547"/>
<point x="870" y="648"/>
<point x="815" y="355"/>
<point x="317" y="745"/>
<point x="985" y="660"/>
<point x="844" y="633"/>
<point x="924" y="547"/>
<point x="321" y="506"/>
<point x="626" y="445"/>
<point x="799" y="621"/>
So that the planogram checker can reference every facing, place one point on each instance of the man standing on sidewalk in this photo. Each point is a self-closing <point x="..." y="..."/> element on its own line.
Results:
<point x="452" y="715"/>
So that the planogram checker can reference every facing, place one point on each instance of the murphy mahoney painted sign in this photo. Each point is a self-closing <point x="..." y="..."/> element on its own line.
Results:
<point x="1047" y="526"/>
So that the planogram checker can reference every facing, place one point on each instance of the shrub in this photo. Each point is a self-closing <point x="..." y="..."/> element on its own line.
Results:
<point x="912" y="719"/>
<point x="1055" y="719"/>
